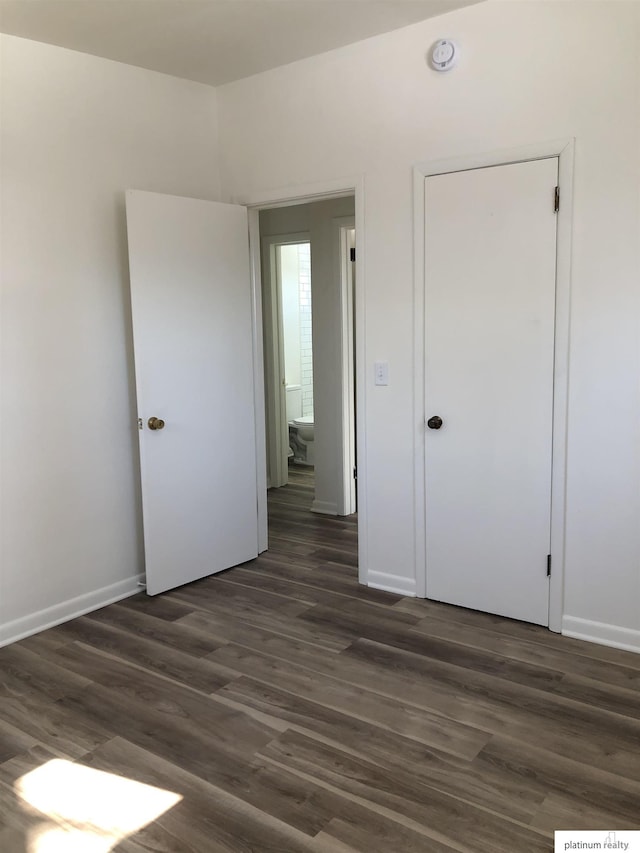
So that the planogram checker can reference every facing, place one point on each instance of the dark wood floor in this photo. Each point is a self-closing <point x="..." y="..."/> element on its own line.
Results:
<point x="295" y="710"/>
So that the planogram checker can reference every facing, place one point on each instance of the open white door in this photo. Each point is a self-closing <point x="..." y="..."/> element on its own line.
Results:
<point x="193" y="346"/>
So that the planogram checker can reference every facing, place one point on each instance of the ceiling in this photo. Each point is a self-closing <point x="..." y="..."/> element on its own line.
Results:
<point x="211" y="41"/>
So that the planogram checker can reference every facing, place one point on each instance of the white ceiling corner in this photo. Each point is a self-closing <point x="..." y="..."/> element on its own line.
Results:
<point x="211" y="41"/>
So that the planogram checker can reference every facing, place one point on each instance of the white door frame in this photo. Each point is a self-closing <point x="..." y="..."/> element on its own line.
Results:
<point x="342" y="226"/>
<point x="563" y="149"/>
<point x="276" y="397"/>
<point x="285" y="197"/>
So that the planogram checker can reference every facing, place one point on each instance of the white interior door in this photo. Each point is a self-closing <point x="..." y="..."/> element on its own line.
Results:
<point x="490" y="261"/>
<point x="193" y="343"/>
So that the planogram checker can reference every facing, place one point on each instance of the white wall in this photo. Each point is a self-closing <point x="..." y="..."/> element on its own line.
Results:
<point x="529" y="71"/>
<point x="78" y="131"/>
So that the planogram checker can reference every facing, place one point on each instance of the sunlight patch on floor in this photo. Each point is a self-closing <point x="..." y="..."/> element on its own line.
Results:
<point x="90" y="811"/>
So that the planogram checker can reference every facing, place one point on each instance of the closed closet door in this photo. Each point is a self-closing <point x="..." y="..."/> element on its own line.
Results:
<point x="490" y="283"/>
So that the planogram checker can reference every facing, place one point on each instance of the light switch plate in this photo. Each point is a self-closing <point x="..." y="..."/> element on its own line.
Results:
<point x="381" y="369"/>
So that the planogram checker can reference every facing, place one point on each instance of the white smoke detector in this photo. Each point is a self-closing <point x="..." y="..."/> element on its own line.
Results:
<point x="444" y="55"/>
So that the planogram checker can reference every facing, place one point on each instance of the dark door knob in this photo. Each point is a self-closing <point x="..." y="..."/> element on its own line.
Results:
<point x="435" y="422"/>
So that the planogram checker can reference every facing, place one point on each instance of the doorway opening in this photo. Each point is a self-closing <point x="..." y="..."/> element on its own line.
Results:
<point x="288" y="352"/>
<point x="293" y="263"/>
<point x="308" y="291"/>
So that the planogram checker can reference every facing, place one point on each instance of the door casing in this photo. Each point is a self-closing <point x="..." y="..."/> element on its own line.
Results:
<point x="564" y="150"/>
<point x="343" y="228"/>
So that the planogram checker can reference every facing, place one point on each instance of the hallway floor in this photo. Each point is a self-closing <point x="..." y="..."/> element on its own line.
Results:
<point x="286" y="708"/>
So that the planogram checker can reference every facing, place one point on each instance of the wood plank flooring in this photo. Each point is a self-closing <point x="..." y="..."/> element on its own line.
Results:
<point x="294" y="710"/>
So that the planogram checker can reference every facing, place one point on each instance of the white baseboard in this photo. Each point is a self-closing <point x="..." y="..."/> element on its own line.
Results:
<point x="392" y="583"/>
<point x="325" y="507"/>
<point x="599" y="632"/>
<point x="18" y="629"/>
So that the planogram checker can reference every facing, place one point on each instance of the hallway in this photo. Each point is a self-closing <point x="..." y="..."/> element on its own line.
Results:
<point x="328" y="543"/>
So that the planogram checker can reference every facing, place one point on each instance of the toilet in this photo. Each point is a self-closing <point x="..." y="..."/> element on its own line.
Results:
<point x="301" y="439"/>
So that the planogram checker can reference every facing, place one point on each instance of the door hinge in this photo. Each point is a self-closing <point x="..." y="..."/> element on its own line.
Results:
<point x="548" y="565"/>
<point x="352" y="254"/>
<point x="556" y="200"/>
<point x="355" y="473"/>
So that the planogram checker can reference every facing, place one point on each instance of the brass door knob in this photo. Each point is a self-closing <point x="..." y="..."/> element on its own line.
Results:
<point x="155" y="423"/>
